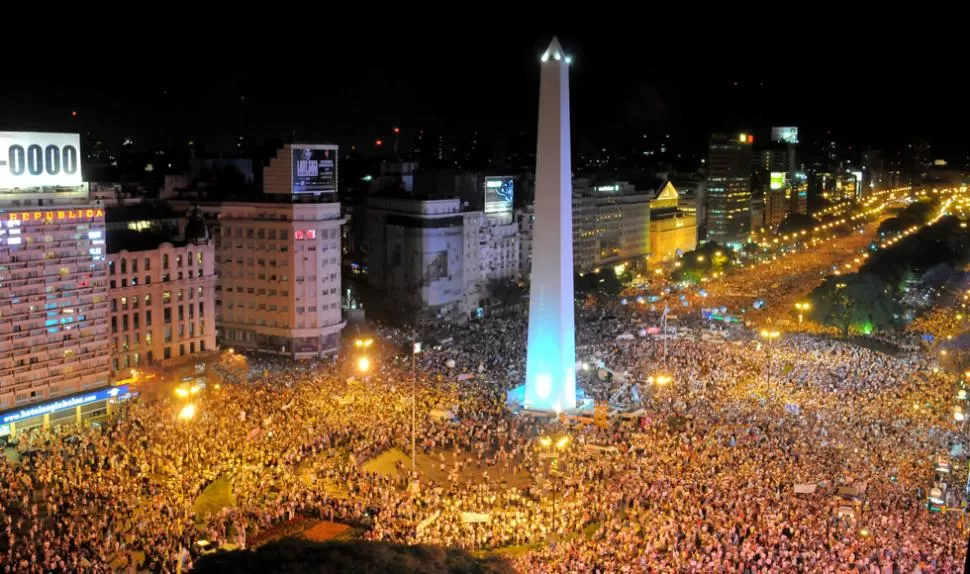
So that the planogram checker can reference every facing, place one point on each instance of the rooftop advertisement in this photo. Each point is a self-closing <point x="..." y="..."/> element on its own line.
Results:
<point x="39" y="159"/>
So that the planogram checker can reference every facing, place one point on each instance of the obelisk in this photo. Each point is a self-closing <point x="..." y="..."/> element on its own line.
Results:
<point x="550" y="369"/>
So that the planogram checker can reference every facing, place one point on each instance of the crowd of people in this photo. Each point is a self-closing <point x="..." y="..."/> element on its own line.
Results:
<point x="699" y="476"/>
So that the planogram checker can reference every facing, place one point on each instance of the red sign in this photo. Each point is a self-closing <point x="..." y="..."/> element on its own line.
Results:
<point x="59" y="215"/>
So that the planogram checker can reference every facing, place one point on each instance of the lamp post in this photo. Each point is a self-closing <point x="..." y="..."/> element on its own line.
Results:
<point x="555" y="446"/>
<point x="414" y="402"/>
<point x="802" y="307"/>
<point x="770" y="336"/>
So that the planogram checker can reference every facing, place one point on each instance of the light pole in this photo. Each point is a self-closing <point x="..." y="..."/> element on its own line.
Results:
<point x="770" y="336"/>
<point x="414" y="402"/>
<point x="802" y="307"/>
<point x="555" y="447"/>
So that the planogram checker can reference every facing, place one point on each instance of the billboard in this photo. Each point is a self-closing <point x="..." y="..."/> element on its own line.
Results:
<point x="39" y="159"/>
<point x="786" y="134"/>
<point x="314" y="168"/>
<point x="777" y="180"/>
<point x="499" y="191"/>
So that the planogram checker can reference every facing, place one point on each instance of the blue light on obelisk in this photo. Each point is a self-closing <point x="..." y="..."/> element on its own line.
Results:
<point x="550" y="369"/>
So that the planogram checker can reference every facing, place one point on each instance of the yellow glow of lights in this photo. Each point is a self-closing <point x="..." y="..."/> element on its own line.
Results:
<point x="187" y="412"/>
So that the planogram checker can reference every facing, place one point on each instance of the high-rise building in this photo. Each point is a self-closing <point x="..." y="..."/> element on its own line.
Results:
<point x="54" y="314"/>
<point x="610" y="225"/>
<point x="278" y="268"/>
<point x="728" y="209"/>
<point x="278" y="257"/>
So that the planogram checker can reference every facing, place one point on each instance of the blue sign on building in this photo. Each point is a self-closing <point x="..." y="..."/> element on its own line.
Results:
<point x="118" y="393"/>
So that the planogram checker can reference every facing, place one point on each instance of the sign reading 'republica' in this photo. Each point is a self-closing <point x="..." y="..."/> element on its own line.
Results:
<point x="39" y="159"/>
<point x="314" y="168"/>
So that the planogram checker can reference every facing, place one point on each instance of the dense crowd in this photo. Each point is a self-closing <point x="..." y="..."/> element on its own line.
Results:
<point x="700" y="478"/>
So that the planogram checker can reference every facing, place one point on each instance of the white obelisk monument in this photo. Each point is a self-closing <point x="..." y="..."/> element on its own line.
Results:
<point x="550" y="369"/>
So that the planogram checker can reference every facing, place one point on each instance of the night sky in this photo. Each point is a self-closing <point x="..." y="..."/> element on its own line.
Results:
<point x="623" y="86"/>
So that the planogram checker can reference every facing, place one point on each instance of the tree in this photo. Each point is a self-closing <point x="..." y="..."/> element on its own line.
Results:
<point x="860" y="302"/>
<point x="796" y="222"/>
<point x="298" y="556"/>
<point x="604" y="284"/>
<point x="504" y="291"/>
<point x="708" y="258"/>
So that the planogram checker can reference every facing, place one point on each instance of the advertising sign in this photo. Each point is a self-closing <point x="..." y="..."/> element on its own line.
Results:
<point x="112" y="393"/>
<point x="39" y="159"/>
<point x="786" y="134"/>
<point x="499" y="191"/>
<point x="314" y="168"/>
<point x="777" y="180"/>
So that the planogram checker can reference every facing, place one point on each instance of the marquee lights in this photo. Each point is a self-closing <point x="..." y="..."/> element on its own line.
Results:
<point x="59" y="215"/>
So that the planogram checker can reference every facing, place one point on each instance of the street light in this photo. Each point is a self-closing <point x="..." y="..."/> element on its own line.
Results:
<point x="659" y="380"/>
<point x="187" y="412"/>
<point x="769" y="335"/>
<point x="802" y="307"/>
<point x="363" y="343"/>
<point x="182" y="392"/>
<point x="363" y="364"/>
<point x="555" y="446"/>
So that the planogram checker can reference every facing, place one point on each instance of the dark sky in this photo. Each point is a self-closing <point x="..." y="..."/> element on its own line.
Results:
<point x="623" y="85"/>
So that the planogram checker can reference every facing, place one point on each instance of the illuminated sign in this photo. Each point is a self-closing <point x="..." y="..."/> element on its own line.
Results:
<point x="116" y="393"/>
<point x="54" y="215"/>
<point x="777" y="180"/>
<point x="499" y="191"/>
<point x="38" y="159"/>
<point x="614" y="187"/>
<point x="786" y="134"/>
<point x="314" y="168"/>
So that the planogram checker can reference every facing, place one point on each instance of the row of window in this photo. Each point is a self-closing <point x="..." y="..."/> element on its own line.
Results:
<point x="124" y="342"/>
<point x="196" y="293"/>
<point x="166" y="316"/>
<point x="148" y="279"/>
<point x="123" y="263"/>
<point x="134" y="360"/>
<point x="251" y="233"/>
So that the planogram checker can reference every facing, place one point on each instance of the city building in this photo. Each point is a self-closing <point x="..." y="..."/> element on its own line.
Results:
<point x="610" y="225"/>
<point x="673" y="230"/>
<point x="416" y="257"/>
<point x="278" y="269"/>
<point x="162" y="295"/>
<point x="278" y="256"/>
<point x="776" y="204"/>
<point x="54" y="316"/>
<point x="430" y="259"/>
<point x="728" y="208"/>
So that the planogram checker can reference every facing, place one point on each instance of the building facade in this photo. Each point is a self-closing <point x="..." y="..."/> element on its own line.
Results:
<point x="162" y="304"/>
<point x="53" y="302"/>
<point x="416" y="256"/>
<point x="728" y="209"/>
<point x="278" y="275"/>
<point x="672" y="230"/>
<point x="611" y="225"/>
<point x="432" y="259"/>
